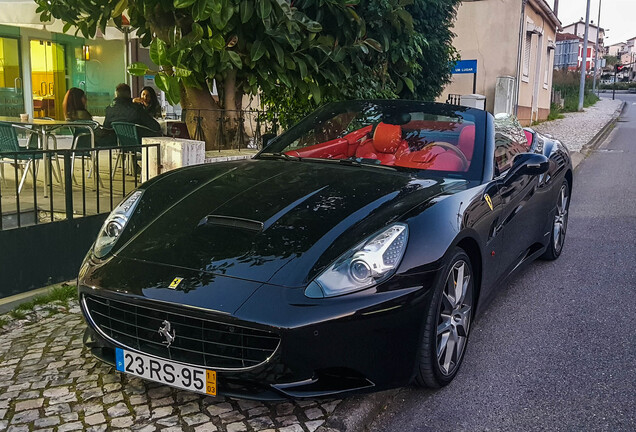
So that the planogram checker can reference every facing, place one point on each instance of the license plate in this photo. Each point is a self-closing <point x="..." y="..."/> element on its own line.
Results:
<point x="173" y="374"/>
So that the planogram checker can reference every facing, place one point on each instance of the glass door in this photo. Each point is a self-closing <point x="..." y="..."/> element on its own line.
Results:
<point x="48" y="78"/>
<point x="11" y="94"/>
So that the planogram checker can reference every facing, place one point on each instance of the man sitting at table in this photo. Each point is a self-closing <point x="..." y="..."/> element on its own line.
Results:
<point x="124" y="110"/>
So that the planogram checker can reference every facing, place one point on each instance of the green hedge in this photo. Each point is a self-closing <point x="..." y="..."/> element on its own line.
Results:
<point x="619" y="86"/>
<point x="568" y="82"/>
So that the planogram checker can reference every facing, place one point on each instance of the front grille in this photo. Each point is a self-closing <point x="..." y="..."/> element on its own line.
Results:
<point x="198" y="341"/>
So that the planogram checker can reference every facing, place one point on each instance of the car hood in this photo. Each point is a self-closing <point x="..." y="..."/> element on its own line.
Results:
<point x="270" y="220"/>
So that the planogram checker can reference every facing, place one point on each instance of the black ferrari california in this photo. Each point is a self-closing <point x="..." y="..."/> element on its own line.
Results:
<point x="351" y="254"/>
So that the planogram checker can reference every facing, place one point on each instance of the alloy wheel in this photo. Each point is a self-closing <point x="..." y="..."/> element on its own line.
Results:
<point x="454" y="317"/>
<point x="561" y="219"/>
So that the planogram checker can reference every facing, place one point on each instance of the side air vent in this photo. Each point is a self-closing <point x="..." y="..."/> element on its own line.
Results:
<point x="233" y="222"/>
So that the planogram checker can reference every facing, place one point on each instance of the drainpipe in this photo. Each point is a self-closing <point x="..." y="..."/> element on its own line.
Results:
<point x="521" y="34"/>
<point x="556" y="8"/>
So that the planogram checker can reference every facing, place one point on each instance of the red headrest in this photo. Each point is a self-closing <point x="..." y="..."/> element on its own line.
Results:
<point x="529" y="136"/>
<point x="387" y="137"/>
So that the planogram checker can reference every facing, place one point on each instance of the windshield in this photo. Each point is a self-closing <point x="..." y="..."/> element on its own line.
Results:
<point x="405" y="135"/>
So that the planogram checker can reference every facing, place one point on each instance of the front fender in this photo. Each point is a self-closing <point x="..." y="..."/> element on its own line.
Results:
<point x="444" y="224"/>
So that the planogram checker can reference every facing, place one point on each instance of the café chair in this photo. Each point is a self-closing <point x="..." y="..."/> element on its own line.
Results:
<point x="11" y="152"/>
<point x="129" y="139"/>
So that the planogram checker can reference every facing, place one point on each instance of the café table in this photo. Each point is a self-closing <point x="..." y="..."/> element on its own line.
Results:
<point x="163" y="123"/>
<point x="44" y="128"/>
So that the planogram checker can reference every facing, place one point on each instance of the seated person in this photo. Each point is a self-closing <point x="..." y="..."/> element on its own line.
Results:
<point x="124" y="110"/>
<point x="74" y="105"/>
<point x="149" y="101"/>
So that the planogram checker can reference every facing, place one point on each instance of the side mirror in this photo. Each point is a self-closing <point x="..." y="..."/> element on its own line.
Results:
<point x="527" y="164"/>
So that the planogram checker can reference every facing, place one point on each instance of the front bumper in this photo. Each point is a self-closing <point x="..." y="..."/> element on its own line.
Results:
<point x="365" y="342"/>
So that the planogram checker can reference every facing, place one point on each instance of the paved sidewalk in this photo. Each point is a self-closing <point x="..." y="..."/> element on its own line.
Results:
<point x="50" y="382"/>
<point x="577" y="129"/>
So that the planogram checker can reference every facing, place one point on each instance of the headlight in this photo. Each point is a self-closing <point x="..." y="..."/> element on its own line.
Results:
<point x="365" y="265"/>
<point x="115" y="224"/>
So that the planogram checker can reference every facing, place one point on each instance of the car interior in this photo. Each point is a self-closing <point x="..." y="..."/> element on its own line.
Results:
<point x="420" y="144"/>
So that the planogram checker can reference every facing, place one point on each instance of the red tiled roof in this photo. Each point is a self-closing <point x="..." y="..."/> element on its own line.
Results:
<point x="567" y="36"/>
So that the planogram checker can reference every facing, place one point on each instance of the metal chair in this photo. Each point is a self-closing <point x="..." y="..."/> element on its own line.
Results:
<point x="129" y="139"/>
<point x="33" y="144"/>
<point x="83" y="143"/>
<point x="12" y="153"/>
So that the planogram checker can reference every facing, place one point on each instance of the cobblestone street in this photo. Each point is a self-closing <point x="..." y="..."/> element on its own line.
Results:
<point x="49" y="382"/>
<point x="577" y="129"/>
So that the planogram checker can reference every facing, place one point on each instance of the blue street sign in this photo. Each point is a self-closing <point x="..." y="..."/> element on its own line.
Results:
<point x="465" y="67"/>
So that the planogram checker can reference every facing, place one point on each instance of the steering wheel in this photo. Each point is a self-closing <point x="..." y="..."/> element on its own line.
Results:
<point x="448" y="146"/>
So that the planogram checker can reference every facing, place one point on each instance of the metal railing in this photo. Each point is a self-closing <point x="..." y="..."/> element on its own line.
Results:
<point x="79" y="183"/>
<point x="235" y="129"/>
<point x="454" y="99"/>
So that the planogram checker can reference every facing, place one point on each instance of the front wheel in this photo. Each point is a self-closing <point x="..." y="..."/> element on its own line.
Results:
<point x="559" y="224"/>
<point x="447" y="324"/>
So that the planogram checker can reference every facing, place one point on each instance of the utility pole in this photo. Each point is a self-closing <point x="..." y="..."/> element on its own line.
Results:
<point x="598" y="32"/>
<point x="584" y="57"/>
<point x="614" y="84"/>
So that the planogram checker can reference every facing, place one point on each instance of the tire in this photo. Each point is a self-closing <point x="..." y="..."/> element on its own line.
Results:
<point x="447" y="321"/>
<point x="559" y="224"/>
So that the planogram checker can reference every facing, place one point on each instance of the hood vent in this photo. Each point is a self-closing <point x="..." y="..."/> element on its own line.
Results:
<point x="232" y="222"/>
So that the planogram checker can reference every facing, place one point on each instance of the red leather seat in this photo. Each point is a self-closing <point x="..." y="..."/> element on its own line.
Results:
<point x="466" y="141"/>
<point x="434" y="157"/>
<point x="387" y="144"/>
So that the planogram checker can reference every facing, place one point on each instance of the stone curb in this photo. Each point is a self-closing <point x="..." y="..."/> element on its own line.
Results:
<point x="356" y="412"/>
<point x="595" y="142"/>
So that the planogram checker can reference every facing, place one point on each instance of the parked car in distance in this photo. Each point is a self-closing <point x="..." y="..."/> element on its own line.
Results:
<point x="351" y="254"/>
<point x="631" y="90"/>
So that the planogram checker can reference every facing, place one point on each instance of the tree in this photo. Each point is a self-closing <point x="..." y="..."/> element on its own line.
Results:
<point x="413" y="62"/>
<point x="308" y="48"/>
<point x="611" y="60"/>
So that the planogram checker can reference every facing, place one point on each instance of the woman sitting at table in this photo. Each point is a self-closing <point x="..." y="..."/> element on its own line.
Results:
<point x="148" y="99"/>
<point x="74" y="105"/>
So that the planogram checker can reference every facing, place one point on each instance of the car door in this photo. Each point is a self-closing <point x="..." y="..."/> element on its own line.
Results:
<point x="520" y="227"/>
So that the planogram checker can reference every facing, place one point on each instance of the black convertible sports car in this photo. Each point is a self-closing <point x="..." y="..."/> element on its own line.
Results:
<point x="351" y="254"/>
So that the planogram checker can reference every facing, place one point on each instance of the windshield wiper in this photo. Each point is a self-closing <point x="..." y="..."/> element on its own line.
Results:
<point x="354" y="161"/>
<point x="278" y="155"/>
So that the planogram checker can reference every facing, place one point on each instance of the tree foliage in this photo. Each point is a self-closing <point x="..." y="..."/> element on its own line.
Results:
<point x="416" y="41"/>
<point x="297" y="54"/>
<point x="611" y="60"/>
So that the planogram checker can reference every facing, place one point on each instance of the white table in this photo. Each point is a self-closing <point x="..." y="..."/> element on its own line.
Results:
<point x="44" y="128"/>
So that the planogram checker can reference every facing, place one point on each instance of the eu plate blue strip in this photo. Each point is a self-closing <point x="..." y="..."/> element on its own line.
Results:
<point x="119" y="359"/>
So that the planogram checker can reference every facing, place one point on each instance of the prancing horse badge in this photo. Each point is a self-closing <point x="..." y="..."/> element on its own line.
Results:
<point x="488" y="201"/>
<point x="175" y="283"/>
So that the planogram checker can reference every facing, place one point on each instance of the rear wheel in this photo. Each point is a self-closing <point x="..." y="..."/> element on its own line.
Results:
<point x="559" y="224"/>
<point x="447" y="324"/>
